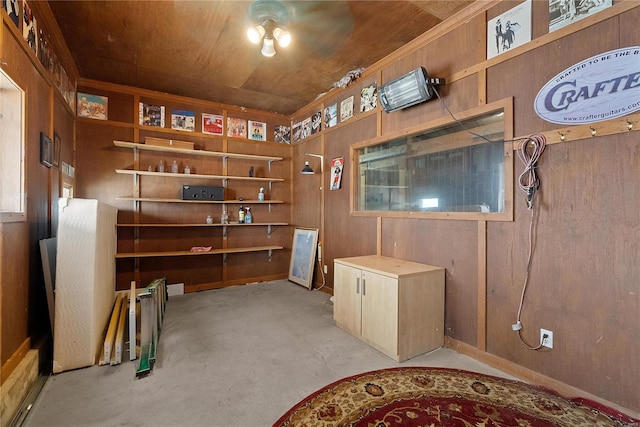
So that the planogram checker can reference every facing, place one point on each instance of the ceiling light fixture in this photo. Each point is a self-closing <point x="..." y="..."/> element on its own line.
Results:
<point x="264" y="17"/>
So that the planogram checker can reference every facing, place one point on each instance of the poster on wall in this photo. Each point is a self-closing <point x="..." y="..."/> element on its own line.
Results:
<point x="236" y="128"/>
<point x="602" y="87"/>
<point x="282" y="133"/>
<point x="368" y="98"/>
<point x="509" y="30"/>
<point x="257" y="131"/>
<point x="212" y="124"/>
<point x="337" y="166"/>
<point x="565" y="12"/>
<point x="30" y="28"/>
<point x="305" y="128"/>
<point x="151" y="115"/>
<point x="346" y="109"/>
<point x="13" y="10"/>
<point x="183" y="120"/>
<point x="331" y="116"/>
<point x="93" y="106"/>
<point x="295" y="132"/>
<point x="316" y="122"/>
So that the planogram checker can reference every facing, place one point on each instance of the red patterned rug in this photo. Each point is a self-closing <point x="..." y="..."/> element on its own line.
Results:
<point x="430" y="397"/>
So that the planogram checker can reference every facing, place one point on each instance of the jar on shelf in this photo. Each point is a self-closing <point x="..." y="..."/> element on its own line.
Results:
<point x="161" y="166"/>
<point x="174" y="167"/>
<point x="187" y="170"/>
<point x="209" y="219"/>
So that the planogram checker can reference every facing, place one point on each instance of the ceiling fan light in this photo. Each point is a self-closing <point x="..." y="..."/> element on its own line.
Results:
<point x="255" y="34"/>
<point x="283" y="37"/>
<point x="268" y="48"/>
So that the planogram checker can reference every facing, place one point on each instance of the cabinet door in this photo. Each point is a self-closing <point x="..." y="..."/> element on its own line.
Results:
<point x="346" y="292"/>
<point x="380" y="312"/>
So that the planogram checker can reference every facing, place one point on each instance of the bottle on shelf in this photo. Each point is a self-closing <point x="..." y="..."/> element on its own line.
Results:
<point x="209" y="219"/>
<point x="241" y="215"/>
<point x="261" y="194"/>
<point x="174" y="167"/>
<point x="187" y="170"/>
<point x="248" y="218"/>
<point x="161" y="166"/>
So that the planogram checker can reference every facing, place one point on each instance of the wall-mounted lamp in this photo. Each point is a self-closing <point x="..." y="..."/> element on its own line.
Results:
<point x="307" y="170"/>
<point x="411" y="89"/>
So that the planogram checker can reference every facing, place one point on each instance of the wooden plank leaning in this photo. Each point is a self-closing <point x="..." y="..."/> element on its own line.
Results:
<point x="111" y="332"/>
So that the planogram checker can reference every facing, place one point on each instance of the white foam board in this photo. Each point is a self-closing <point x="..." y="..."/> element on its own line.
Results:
<point x="85" y="281"/>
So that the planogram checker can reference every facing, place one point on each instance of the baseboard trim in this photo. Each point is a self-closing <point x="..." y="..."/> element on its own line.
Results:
<point x="14" y="360"/>
<point x="531" y="376"/>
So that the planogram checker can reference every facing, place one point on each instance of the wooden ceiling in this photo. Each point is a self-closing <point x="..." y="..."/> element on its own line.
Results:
<point x="199" y="49"/>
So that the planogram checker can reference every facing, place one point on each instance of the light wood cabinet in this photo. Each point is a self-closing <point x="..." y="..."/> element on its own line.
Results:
<point x="393" y="305"/>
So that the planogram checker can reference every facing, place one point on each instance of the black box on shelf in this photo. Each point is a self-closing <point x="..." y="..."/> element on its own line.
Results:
<point x="199" y="192"/>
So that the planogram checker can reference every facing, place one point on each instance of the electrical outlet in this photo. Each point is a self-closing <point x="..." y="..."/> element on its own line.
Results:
<point x="548" y="340"/>
<point x="325" y="269"/>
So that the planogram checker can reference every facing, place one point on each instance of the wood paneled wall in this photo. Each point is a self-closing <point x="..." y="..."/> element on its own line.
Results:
<point x="23" y="306"/>
<point x="98" y="159"/>
<point x="584" y="285"/>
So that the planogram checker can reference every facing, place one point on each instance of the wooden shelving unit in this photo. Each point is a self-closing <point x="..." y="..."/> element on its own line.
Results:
<point x="224" y="156"/>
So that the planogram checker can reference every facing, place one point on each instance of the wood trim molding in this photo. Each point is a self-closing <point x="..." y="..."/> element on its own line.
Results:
<point x="528" y="375"/>
<point x="14" y="360"/>
<point x="482" y="285"/>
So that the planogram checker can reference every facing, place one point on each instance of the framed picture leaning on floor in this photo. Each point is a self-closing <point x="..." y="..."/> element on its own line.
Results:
<point x="303" y="254"/>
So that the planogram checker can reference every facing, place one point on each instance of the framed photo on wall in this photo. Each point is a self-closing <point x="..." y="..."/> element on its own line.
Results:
<point x="303" y="254"/>
<point x="57" y="145"/>
<point x="46" y="150"/>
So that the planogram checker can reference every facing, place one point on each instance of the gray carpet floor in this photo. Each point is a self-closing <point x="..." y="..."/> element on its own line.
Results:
<point x="238" y="356"/>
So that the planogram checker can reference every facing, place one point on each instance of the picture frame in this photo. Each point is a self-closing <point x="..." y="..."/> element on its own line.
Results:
<point x="346" y="109"/>
<point x="257" y="131"/>
<point x="46" y="150"/>
<point x="183" y="120"/>
<point x="212" y="124"/>
<point x="57" y="145"/>
<point x="303" y="254"/>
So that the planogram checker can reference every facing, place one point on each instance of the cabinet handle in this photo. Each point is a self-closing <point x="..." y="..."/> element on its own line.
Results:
<point x="357" y="285"/>
<point x="363" y="286"/>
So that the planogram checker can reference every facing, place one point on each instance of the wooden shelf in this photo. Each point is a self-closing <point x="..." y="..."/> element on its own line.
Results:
<point x="197" y="176"/>
<point x="237" y="202"/>
<point x="205" y="225"/>
<point x="189" y="253"/>
<point x="134" y="145"/>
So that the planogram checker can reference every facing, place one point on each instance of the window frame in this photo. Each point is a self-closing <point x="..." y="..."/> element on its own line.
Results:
<point x="506" y="105"/>
<point x="20" y="214"/>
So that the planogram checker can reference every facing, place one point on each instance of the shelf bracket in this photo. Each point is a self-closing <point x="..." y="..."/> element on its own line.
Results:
<point x="224" y="258"/>
<point x="270" y="182"/>
<point x="269" y="207"/>
<point x="269" y="166"/>
<point x="269" y="231"/>
<point x="270" y="253"/>
<point x="224" y="232"/>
